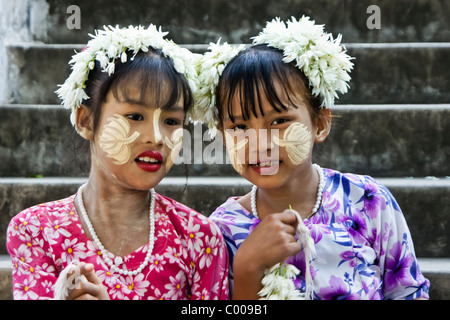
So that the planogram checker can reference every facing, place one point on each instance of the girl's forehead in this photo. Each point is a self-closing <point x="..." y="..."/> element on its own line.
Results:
<point x="290" y="99"/>
<point x="121" y="100"/>
<point x="147" y="95"/>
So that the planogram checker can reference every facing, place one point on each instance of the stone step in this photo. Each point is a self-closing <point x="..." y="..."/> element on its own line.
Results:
<point x="378" y="140"/>
<point x="437" y="270"/>
<point x="384" y="73"/>
<point x="424" y="202"/>
<point x="202" y="21"/>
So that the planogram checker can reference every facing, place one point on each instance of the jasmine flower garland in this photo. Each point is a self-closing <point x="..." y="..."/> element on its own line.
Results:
<point x="210" y="68"/>
<point x="321" y="58"/>
<point x="278" y="281"/>
<point x="113" y="43"/>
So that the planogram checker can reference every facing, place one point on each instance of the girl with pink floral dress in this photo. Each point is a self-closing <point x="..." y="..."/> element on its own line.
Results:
<point x="129" y="93"/>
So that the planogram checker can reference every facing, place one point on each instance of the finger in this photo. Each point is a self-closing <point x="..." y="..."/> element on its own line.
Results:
<point x="290" y="217"/>
<point x="85" y="289"/>
<point x="292" y="248"/>
<point x="289" y="229"/>
<point x="86" y="297"/>
<point x="297" y="216"/>
<point x="87" y="269"/>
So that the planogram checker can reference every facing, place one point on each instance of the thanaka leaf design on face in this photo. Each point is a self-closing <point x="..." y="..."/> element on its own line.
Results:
<point x="156" y="115"/>
<point x="175" y="145"/>
<point x="115" y="139"/>
<point x="297" y="140"/>
<point x="233" y="149"/>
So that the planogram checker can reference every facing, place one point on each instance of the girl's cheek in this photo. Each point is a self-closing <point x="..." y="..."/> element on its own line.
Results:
<point x="297" y="141"/>
<point x="174" y="144"/>
<point x="115" y="138"/>
<point x="234" y="151"/>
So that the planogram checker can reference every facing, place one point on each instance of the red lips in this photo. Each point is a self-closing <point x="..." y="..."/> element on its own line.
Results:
<point x="149" y="161"/>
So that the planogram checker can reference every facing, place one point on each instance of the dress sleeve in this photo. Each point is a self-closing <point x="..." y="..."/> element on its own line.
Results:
<point x="210" y="281"/>
<point x="399" y="267"/>
<point x="33" y="270"/>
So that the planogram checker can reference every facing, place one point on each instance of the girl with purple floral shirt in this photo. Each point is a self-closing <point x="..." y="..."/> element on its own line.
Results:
<point x="286" y="83"/>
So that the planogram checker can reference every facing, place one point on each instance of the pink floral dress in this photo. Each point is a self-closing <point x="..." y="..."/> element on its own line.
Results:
<point x="189" y="259"/>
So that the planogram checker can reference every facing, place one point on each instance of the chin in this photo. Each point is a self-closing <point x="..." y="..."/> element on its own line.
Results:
<point x="264" y="181"/>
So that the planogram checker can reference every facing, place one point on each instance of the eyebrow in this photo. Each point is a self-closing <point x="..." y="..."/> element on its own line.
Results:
<point x="271" y="112"/>
<point x="174" y="107"/>
<point x="140" y="103"/>
<point x="133" y="101"/>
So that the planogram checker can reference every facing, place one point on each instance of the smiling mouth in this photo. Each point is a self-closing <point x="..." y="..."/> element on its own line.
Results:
<point x="267" y="164"/>
<point x="149" y="161"/>
<point x="266" y="168"/>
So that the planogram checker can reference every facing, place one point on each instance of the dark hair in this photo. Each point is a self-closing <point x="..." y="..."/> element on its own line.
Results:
<point x="259" y="68"/>
<point x="149" y="71"/>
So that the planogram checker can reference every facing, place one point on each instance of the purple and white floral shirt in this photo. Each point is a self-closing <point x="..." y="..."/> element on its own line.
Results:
<point x="363" y="244"/>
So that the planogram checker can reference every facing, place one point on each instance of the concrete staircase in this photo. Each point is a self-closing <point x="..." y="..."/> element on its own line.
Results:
<point x="394" y="124"/>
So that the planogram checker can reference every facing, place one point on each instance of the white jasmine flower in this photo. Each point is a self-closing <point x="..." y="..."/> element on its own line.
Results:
<point x="278" y="281"/>
<point x="321" y="58"/>
<point x="210" y="67"/>
<point x="123" y="57"/>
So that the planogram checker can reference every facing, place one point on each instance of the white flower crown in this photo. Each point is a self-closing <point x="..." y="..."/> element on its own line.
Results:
<point x="321" y="58"/>
<point x="210" y="68"/>
<point x="113" y="43"/>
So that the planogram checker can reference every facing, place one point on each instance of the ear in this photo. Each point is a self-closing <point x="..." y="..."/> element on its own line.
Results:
<point x="323" y="125"/>
<point x="84" y="122"/>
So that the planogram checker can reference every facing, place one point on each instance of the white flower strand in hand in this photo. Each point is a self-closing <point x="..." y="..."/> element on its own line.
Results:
<point x="278" y="281"/>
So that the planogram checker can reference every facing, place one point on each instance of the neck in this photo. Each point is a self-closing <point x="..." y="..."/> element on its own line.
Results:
<point x="111" y="202"/>
<point x="300" y="194"/>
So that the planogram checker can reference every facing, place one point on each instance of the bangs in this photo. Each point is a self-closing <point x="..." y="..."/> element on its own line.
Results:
<point x="255" y="71"/>
<point x="151" y="80"/>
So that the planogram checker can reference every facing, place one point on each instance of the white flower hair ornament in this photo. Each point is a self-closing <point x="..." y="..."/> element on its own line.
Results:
<point x="113" y="43"/>
<point x="210" y="68"/>
<point x="320" y="57"/>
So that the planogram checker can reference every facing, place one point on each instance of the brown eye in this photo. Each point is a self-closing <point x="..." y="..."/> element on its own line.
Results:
<point x="172" y="122"/>
<point x="135" y="116"/>
<point x="239" y="127"/>
<point x="279" y="121"/>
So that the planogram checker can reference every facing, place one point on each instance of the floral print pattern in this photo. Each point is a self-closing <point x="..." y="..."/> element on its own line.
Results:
<point x="363" y="244"/>
<point x="189" y="260"/>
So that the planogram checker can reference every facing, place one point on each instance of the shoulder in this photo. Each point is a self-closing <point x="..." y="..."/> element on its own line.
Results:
<point x="231" y="213"/>
<point x="186" y="220"/>
<point x="231" y="207"/>
<point x="361" y="192"/>
<point x="33" y="225"/>
<point x="354" y="184"/>
<point x="34" y="216"/>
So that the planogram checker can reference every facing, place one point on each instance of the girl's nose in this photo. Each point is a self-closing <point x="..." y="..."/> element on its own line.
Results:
<point x="153" y="130"/>
<point x="157" y="133"/>
<point x="261" y="145"/>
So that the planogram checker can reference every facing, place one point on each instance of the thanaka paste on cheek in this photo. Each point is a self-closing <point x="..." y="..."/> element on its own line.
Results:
<point x="297" y="140"/>
<point x="174" y="144"/>
<point x="115" y="139"/>
<point x="233" y="149"/>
